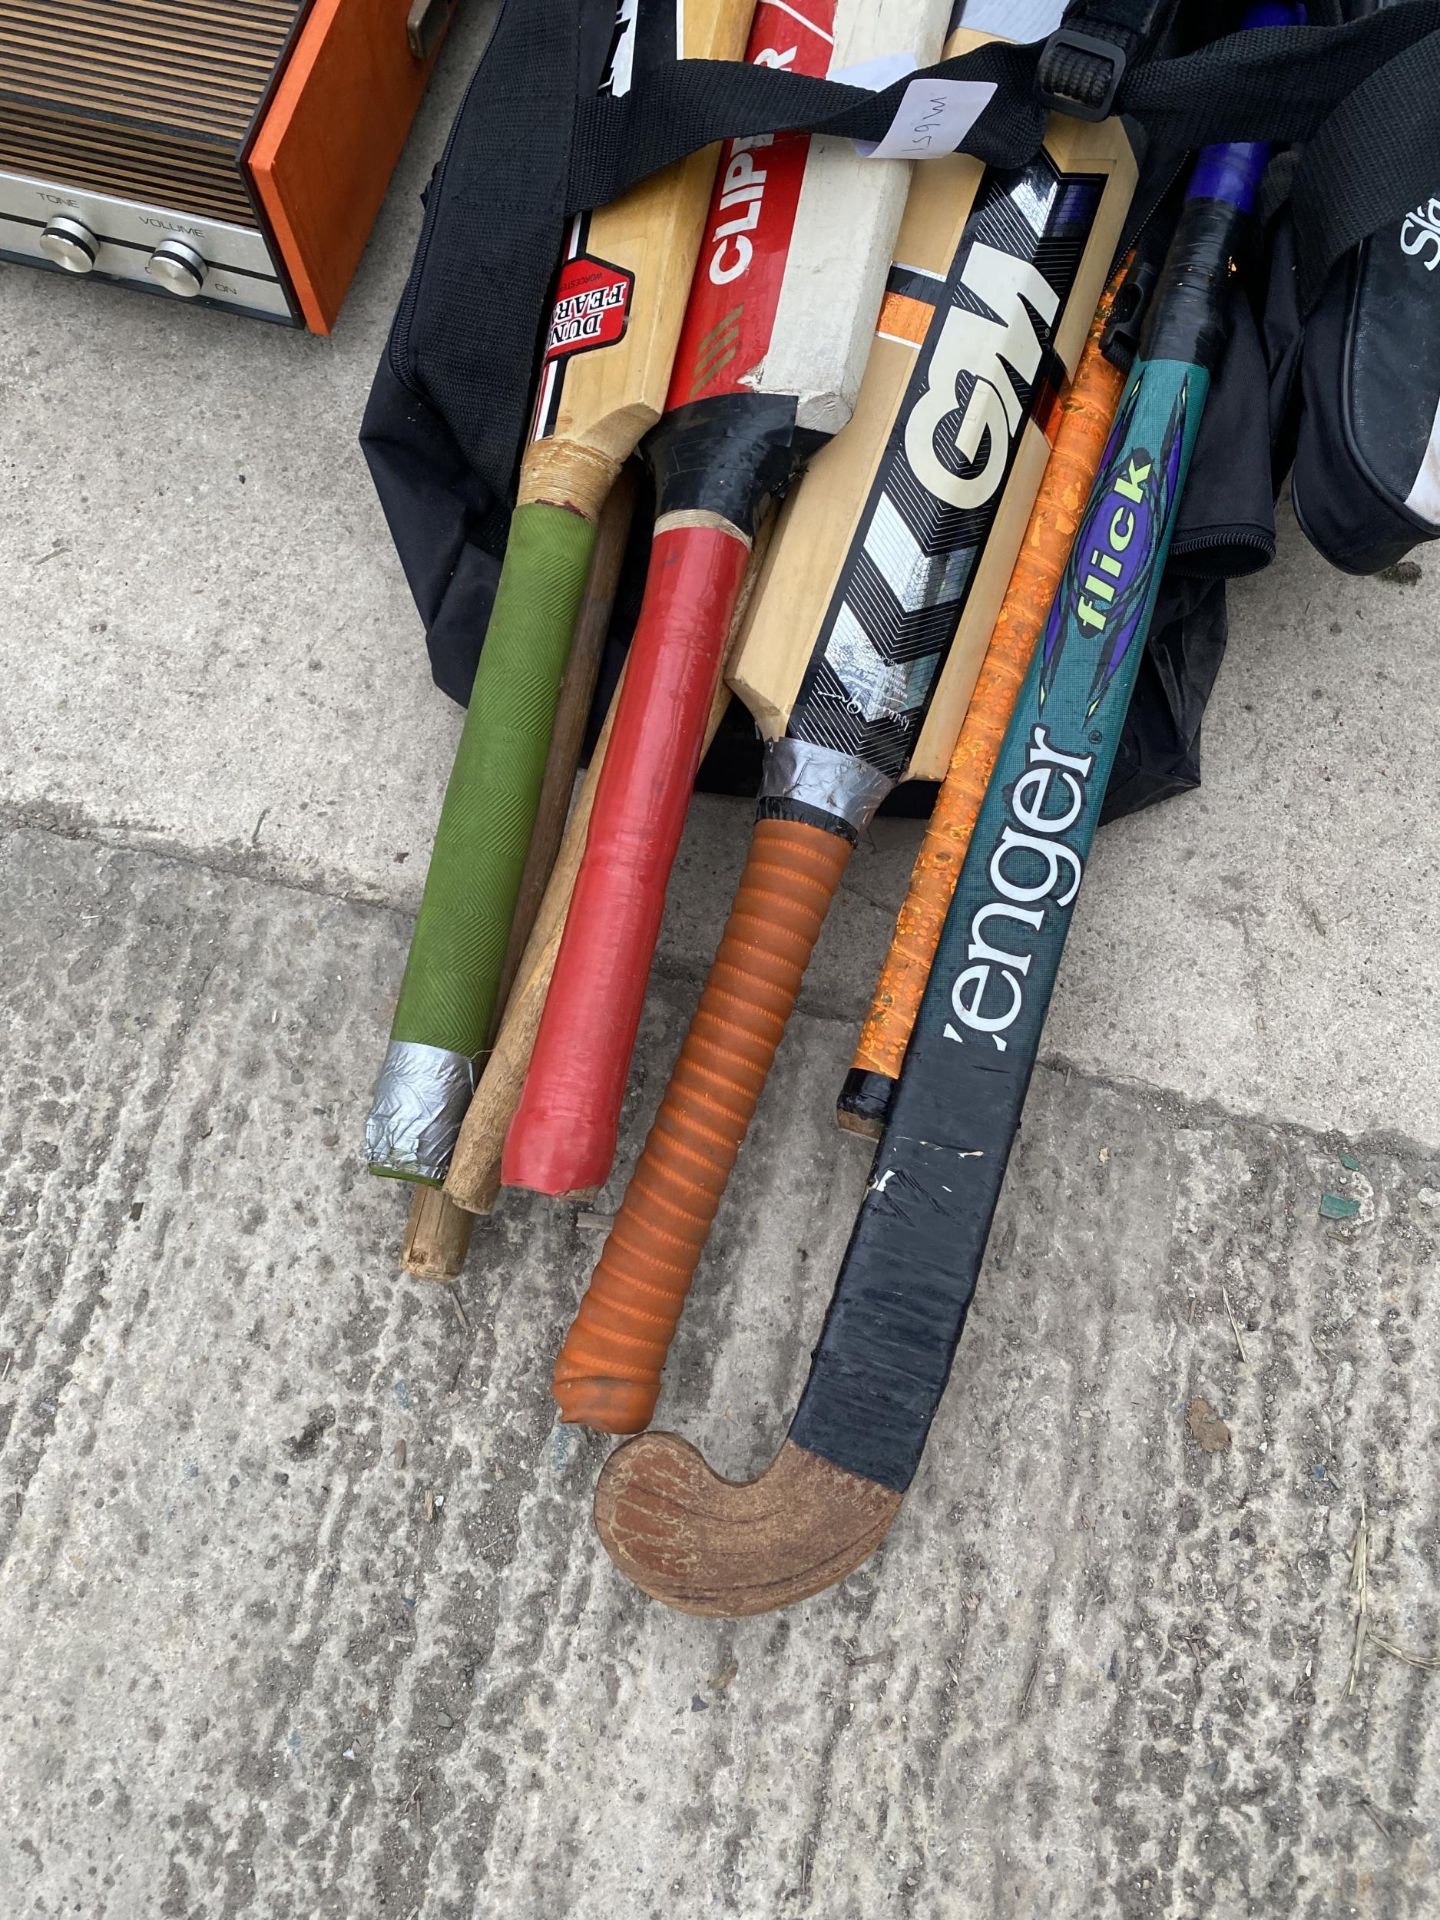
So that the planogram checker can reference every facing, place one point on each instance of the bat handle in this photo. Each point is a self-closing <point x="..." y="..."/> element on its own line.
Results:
<point x="608" y="1374"/>
<point x="452" y="977"/>
<point x="562" y="1139"/>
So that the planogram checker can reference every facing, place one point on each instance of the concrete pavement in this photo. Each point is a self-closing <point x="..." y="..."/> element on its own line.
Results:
<point x="300" y="1612"/>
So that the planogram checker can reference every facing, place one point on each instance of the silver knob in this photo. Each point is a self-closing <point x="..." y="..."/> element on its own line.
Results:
<point x="70" y="244"/>
<point x="176" y="265"/>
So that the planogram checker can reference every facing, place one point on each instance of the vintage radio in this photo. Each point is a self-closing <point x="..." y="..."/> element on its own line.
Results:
<point x="231" y="151"/>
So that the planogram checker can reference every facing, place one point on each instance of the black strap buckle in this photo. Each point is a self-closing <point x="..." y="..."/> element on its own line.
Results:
<point x="1079" y="74"/>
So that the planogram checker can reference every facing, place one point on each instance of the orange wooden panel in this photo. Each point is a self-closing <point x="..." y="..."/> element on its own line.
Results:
<point x="325" y="151"/>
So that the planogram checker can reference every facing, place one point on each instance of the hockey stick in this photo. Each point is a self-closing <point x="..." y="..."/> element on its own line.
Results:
<point x="707" y="1545"/>
<point x="782" y="310"/>
<point x="903" y="538"/>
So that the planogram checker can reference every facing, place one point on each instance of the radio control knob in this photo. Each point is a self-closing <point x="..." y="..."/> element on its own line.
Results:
<point x="176" y="265"/>
<point x="70" y="244"/>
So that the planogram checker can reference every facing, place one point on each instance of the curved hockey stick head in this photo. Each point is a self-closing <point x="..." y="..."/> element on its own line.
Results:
<point x="728" y="1548"/>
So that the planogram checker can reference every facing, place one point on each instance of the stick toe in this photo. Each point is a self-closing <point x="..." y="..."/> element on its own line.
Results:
<point x="729" y="1548"/>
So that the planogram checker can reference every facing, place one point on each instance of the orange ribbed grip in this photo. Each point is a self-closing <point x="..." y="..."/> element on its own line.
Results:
<point x="608" y="1373"/>
<point x="1086" y="414"/>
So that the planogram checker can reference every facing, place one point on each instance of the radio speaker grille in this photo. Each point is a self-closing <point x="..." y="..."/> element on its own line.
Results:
<point x="147" y="99"/>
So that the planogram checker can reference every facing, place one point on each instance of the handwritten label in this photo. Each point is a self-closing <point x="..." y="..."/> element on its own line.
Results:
<point x="933" y="118"/>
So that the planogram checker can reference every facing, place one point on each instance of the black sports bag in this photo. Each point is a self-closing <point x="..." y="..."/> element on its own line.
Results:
<point x="533" y="142"/>
<point x="1366" y="479"/>
<point x="1331" y="377"/>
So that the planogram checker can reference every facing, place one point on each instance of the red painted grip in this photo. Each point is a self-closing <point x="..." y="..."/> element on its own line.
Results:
<point x="562" y="1139"/>
<point x="608" y="1373"/>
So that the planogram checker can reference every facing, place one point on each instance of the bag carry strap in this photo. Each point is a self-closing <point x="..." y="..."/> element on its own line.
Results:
<point x="1084" y="60"/>
<point x="1270" y="83"/>
<point x="1078" y="70"/>
<point x="465" y="339"/>
<point x="1376" y="157"/>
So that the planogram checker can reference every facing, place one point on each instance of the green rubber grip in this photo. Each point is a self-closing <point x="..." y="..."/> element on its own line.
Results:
<point x="447" y="998"/>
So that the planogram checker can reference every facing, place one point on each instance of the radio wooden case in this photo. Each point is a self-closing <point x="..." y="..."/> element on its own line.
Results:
<point x="231" y="151"/>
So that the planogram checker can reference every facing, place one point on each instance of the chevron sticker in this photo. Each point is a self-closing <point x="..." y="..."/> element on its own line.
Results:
<point x="985" y="356"/>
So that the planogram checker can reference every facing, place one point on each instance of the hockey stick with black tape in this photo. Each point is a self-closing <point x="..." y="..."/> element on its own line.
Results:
<point x="712" y="1546"/>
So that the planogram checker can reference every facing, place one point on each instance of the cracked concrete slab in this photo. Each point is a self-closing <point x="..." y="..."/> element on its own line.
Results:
<point x="301" y="1613"/>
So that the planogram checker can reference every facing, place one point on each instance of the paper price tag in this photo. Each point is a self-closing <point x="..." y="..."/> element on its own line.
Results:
<point x="933" y="118"/>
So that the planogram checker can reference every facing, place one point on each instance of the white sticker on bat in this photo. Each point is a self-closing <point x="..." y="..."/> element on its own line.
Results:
<point x="877" y="74"/>
<point x="1013" y="19"/>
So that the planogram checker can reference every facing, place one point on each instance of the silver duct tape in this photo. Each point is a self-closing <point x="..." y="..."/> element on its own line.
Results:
<point x="879" y="688"/>
<point x="918" y="579"/>
<point x="836" y="783"/>
<point x="420" y="1100"/>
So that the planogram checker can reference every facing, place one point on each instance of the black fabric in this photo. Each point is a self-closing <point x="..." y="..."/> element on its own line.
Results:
<point x="1159" y="752"/>
<point x="1372" y="159"/>
<point x="1282" y="323"/>
<point x="441" y="452"/>
<point x="449" y="529"/>
<point x="1272" y="83"/>
<point x="1355" y="379"/>
<point x="1362" y="482"/>
<point x="1226" y="524"/>
<point x="1082" y="65"/>
<point x="1286" y="394"/>
<point x="1226" y="528"/>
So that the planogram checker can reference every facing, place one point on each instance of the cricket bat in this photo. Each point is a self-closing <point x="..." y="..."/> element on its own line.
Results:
<point x="781" y="315"/>
<point x="619" y="304"/>
<point x="473" y="1182"/>
<point x="899" y="545"/>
